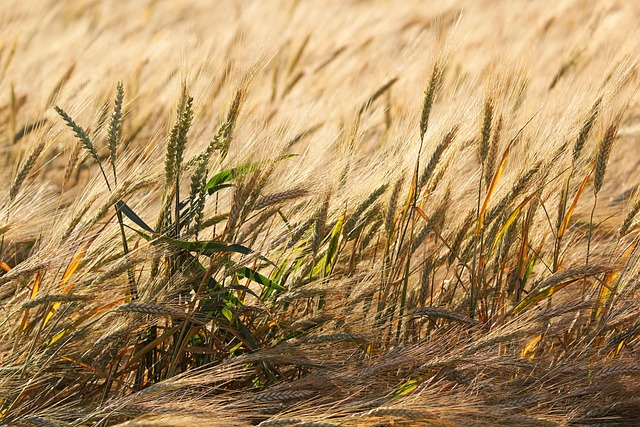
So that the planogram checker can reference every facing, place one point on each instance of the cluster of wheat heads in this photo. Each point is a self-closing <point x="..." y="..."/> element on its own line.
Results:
<point x="319" y="213"/>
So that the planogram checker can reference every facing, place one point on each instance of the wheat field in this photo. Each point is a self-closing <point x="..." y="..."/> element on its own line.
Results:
<point x="319" y="213"/>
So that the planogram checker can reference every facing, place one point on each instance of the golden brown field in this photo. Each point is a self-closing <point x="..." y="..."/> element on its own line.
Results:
<point x="319" y="213"/>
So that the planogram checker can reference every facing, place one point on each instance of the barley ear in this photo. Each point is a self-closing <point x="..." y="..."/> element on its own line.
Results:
<point x="354" y="219"/>
<point x="428" y="99"/>
<point x="28" y="164"/>
<point x="628" y="220"/>
<point x="175" y="155"/>
<point x="174" y="137"/>
<point x="320" y="223"/>
<point x="492" y="155"/>
<point x="79" y="132"/>
<point x="230" y="123"/>
<point x="604" y="150"/>
<point x="197" y="194"/>
<point x="437" y="154"/>
<point x="393" y="206"/>
<point x="83" y="137"/>
<point x="373" y="230"/>
<point x="183" y="124"/>
<point x="377" y="94"/>
<point x="272" y="199"/>
<point x="586" y="129"/>
<point x="115" y="127"/>
<point x="486" y="129"/>
<point x="71" y="163"/>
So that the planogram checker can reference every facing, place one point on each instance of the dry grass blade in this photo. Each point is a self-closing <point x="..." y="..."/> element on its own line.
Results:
<point x="355" y="218"/>
<point x="158" y="310"/>
<point x="281" y="422"/>
<point x="559" y="281"/>
<point x="574" y="203"/>
<point x="496" y="178"/>
<point x="441" y="313"/>
<point x="46" y="299"/>
<point x="409" y="414"/>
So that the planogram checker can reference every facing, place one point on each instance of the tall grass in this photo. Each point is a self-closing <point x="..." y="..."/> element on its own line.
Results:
<point x="319" y="214"/>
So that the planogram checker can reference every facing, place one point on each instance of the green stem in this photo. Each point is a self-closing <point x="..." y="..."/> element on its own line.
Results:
<point x="595" y="202"/>
<point x="472" y="305"/>
<point x="410" y="219"/>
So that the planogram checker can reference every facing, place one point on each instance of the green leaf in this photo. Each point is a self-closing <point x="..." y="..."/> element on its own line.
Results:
<point x="407" y="387"/>
<point x="556" y="282"/>
<point x="206" y="247"/>
<point x="333" y="246"/>
<point x="254" y="276"/>
<point x="227" y="313"/>
<point x="129" y="213"/>
<point x="514" y="215"/>
<point x="240" y="288"/>
<point x="220" y="180"/>
<point x="217" y="188"/>
<point x="540" y="295"/>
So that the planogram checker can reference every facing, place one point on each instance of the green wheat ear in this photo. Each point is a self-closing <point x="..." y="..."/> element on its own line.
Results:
<point x="174" y="159"/>
<point x="174" y="141"/>
<point x="79" y="132"/>
<point x="223" y="137"/>
<point x="84" y="139"/>
<point x="230" y="124"/>
<point x="221" y="141"/>
<point x="198" y="193"/>
<point x="115" y="127"/>
<point x="183" y="125"/>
